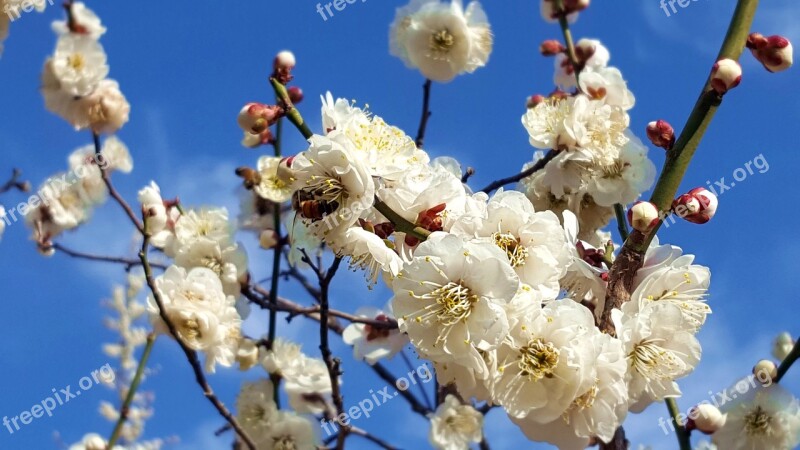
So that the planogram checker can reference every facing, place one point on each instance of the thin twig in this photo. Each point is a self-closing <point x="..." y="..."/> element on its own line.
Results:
<point x="124" y="410"/>
<point x="15" y="183"/>
<point x="191" y="355"/>
<point x="111" y="190"/>
<point x="374" y="439"/>
<point x="421" y="387"/>
<point x="537" y="166"/>
<point x="426" y="113"/>
<point x="128" y="262"/>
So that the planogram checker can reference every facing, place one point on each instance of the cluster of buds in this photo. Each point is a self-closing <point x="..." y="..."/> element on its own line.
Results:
<point x="774" y="52"/>
<point x="551" y="11"/>
<point x="256" y="118"/>
<point x="725" y="75"/>
<point x="282" y="66"/>
<point x="697" y="206"/>
<point x="643" y="216"/>
<point x="661" y="134"/>
<point x="706" y="418"/>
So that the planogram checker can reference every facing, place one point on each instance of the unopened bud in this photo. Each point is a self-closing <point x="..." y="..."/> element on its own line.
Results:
<point x="661" y="134"/>
<point x="268" y="239"/>
<point x="643" y="216"/>
<point x="247" y="354"/>
<point x="250" y="176"/>
<point x="725" y="75"/>
<point x="256" y="118"/>
<point x="534" y="100"/>
<point x="558" y="94"/>
<point x="697" y="206"/>
<point x="765" y="368"/>
<point x="774" y="52"/>
<point x="783" y="346"/>
<point x="707" y="418"/>
<point x="283" y="65"/>
<point x="295" y="94"/>
<point x="251" y="140"/>
<point x="551" y="47"/>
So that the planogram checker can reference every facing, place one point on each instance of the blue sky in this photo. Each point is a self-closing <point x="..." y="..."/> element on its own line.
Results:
<point x="187" y="67"/>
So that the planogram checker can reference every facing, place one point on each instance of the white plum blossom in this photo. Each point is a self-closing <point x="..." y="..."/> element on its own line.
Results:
<point x="366" y="250"/>
<point x="306" y="379"/>
<point x="271" y="187"/>
<point x="441" y="39"/>
<point x="607" y="84"/>
<point x="93" y="441"/>
<point x="449" y="299"/>
<point x="625" y="178"/>
<point x="256" y="409"/>
<point x="204" y="318"/>
<point x="371" y="343"/>
<point x="85" y="20"/>
<point x="205" y="223"/>
<point x="454" y="425"/>
<point x="79" y="64"/>
<point x="769" y="418"/>
<point x="290" y="431"/>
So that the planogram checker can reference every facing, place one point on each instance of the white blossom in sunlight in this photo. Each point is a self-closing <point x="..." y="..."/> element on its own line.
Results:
<point x="93" y="441"/>
<point x="290" y="431"/>
<point x="372" y="343"/>
<point x="106" y="108"/>
<point x="79" y="64"/>
<point x="767" y="419"/>
<point x="368" y="251"/>
<point x="229" y="262"/>
<point x="454" y="426"/>
<point x="607" y="84"/>
<point x="625" y="178"/>
<point x="330" y="183"/>
<point x="271" y="187"/>
<point x="661" y="348"/>
<point x="587" y="272"/>
<point x="203" y="316"/>
<point x="160" y="220"/>
<point x="441" y="39"/>
<point x="256" y="409"/>
<point x="546" y="124"/>
<point x="450" y="299"/>
<point x="534" y="242"/>
<point x="307" y="381"/>
<point x="85" y="20"/>
<point x="205" y="223"/>
<point x="545" y="361"/>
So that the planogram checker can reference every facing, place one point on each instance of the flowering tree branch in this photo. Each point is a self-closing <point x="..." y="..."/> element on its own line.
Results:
<point x="137" y="379"/>
<point x="111" y="190"/>
<point x="537" y="166"/>
<point x="128" y="262"/>
<point x="191" y="355"/>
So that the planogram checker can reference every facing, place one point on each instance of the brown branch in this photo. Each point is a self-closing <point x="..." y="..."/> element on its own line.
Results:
<point x="426" y="113"/>
<point x="128" y="262"/>
<point x="15" y="183"/>
<point x="190" y="354"/>
<point x="111" y="190"/>
<point x="537" y="166"/>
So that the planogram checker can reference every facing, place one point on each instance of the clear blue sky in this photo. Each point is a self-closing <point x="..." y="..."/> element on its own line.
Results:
<point x="187" y="67"/>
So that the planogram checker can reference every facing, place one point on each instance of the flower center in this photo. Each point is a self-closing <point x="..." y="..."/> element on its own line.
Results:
<point x="455" y="302"/>
<point x="757" y="422"/>
<point x="652" y="361"/>
<point x="538" y="360"/>
<point x="190" y="330"/>
<point x="441" y="42"/>
<point x="284" y="443"/>
<point x="517" y="254"/>
<point x="76" y="61"/>
<point x="460" y="424"/>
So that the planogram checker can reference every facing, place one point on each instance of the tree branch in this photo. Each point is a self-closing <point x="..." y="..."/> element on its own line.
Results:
<point x="537" y="166"/>
<point x="426" y="113"/>
<point x="137" y="379"/>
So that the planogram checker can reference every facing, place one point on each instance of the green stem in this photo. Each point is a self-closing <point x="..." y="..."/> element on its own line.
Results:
<point x="400" y="223"/>
<point x="137" y="379"/>
<point x="292" y="113"/>
<point x="276" y="269"/>
<point x="680" y="430"/>
<point x="571" y="54"/>
<point x="788" y="361"/>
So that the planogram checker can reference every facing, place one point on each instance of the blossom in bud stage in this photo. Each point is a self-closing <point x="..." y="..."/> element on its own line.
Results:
<point x="774" y="52"/>
<point x="441" y="39"/>
<point x="295" y="94"/>
<point x="257" y="117"/>
<point x="283" y="65"/>
<point x="707" y="418"/>
<point x="661" y="134"/>
<point x="92" y="441"/>
<point x="247" y="354"/>
<point x="551" y="12"/>
<point x="782" y="346"/>
<point x="697" y="206"/>
<point x="767" y="367"/>
<point x="268" y="239"/>
<point x="251" y="140"/>
<point x="534" y="100"/>
<point x="643" y="216"/>
<point x="725" y="75"/>
<point x="84" y="22"/>
<point x="551" y="47"/>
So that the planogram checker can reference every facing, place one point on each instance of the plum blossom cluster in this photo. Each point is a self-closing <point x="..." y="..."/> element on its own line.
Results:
<point x="74" y="79"/>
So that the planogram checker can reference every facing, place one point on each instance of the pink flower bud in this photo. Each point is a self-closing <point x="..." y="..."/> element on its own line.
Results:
<point x="706" y="418"/>
<point x="551" y="47"/>
<point x="295" y="94"/>
<point x="661" y="134"/>
<point x="256" y="118"/>
<point x="726" y="75"/>
<point x="697" y="206"/>
<point x="283" y="65"/>
<point x="774" y="52"/>
<point x="534" y="100"/>
<point x="643" y="216"/>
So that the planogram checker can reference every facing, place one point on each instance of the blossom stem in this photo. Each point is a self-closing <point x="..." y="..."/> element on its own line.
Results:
<point x="622" y="222"/>
<point x="276" y="269"/>
<point x="400" y="223"/>
<point x="111" y="190"/>
<point x="128" y="262"/>
<point x="680" y="430"/>
<point x="426" y="112"/>
<point x="570" y="44"/>
<point x="631" y="256"/>
<point x="137" y="379"/>
<point x="290" y="111"/>
<point x="537" y="166"/>
<point x="190" y="354"/>
<point x="787" y="362"/>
